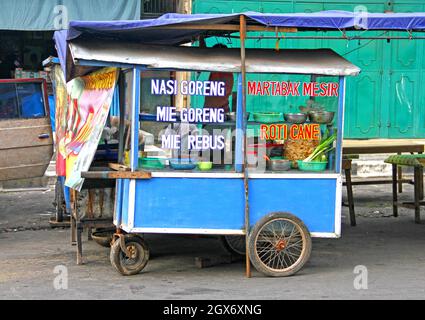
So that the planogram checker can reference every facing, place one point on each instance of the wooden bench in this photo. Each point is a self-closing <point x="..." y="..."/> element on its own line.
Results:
<point x="417" y="161"/>
<point x="353" y="148"/>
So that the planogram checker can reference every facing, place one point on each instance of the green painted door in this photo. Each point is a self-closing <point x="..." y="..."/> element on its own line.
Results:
<point x="405" y="90"/>
<point x="363" y="93"/>
<point x="386" y="99"/>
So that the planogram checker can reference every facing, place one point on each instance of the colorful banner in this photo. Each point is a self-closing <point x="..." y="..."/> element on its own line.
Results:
<point x="61" y="110"/>
<point x="89" y="100"/>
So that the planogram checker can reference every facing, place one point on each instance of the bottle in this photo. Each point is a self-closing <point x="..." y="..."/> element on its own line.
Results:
<point x="331" y="160"/>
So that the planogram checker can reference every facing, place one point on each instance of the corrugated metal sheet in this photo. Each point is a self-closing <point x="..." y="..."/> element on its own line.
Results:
<point x="317" y="61"/>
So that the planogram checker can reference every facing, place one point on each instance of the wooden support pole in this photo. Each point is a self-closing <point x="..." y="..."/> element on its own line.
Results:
<point x="242" y="34"/>
<point x="121" y="130"/>
<point x="226" y="27"/>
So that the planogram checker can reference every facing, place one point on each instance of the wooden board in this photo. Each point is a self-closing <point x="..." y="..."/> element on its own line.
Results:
<point x="372" y="146"/>
<point x="116" y="175"/>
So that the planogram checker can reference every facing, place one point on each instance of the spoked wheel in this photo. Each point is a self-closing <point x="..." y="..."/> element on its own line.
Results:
<point x="136" y="260"/>
<point x="279" y="245"/>
<point x="234" y="244"/>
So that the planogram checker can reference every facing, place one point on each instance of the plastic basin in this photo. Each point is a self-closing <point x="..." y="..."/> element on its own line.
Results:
<point x="312" y="165"/>
<point x="182" y="164"/>
<point x="267" y="117"/>
<point x="152" y="163"/>
<point x="205" y="165"/>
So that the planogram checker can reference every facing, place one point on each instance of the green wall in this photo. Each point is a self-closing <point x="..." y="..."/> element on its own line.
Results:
<point x="386" y="100"/>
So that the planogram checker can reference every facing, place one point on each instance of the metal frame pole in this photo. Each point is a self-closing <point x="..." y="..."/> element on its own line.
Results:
<point x="340" y="124"/>
<point x="242" y="34"/>
<point x="121" y="88"/>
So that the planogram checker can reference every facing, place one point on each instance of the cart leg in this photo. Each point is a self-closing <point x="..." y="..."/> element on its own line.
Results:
<point x="394" y="183"/>
<point x="90" y="210"/>
<point x="73" y="231"/>
<point x="400" y="177"/>
<point x="101" y="199"/>
<point x="73" y="216"/>
<point x="421" y="183"/>
<point x="247" y="260"/>
<point x="79" y="244"/>
<point x="350" y="196"/>
<point x="417" y="191"/>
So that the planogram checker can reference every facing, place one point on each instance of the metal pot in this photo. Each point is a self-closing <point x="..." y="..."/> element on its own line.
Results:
<point x="278" y="164"/>
<point x="295" y="117"/>
<point x="231" y="116"/>
<point x="322" y="117"/>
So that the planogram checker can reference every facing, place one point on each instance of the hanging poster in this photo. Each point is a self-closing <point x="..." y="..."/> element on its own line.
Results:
<point x="61" y="106"/>
<point x="89" y="99"/>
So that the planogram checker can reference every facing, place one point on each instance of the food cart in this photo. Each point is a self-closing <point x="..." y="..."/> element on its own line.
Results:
<point x="275" y="210"/>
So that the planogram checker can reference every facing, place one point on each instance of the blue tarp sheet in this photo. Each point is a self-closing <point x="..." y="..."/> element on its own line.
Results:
<point x="317" y="20"/>
<point x="140" y="30"/>
<point x="60" y="40"/>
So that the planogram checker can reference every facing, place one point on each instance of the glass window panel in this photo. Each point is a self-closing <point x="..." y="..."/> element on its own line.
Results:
<point x="8" y="101"/>
<point x="21" y="100"/>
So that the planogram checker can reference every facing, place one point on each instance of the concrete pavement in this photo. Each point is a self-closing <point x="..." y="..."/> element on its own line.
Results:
<point x="391" y="249"/>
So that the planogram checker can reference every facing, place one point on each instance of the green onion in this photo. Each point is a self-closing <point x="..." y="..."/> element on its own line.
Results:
<point x="325" y="146"/>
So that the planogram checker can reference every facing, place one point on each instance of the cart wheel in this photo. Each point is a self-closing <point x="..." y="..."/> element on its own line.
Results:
<point x="139" y="255"/>
<point x="234" y="244"/>
<point x="59" y="201"/>
<point x="279" y="244"/>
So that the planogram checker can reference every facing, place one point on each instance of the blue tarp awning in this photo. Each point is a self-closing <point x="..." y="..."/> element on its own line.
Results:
<point x="333" y="20"/>
<point x="146" y="31"/>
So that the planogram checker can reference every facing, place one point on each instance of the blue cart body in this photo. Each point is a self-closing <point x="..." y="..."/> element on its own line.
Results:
<point x="205" y="205"/>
